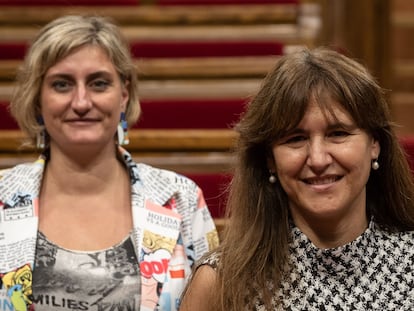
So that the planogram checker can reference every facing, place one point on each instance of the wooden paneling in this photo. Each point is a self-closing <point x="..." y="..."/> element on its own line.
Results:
<point x="402" y="58"/>
<point x="361" y="29"/>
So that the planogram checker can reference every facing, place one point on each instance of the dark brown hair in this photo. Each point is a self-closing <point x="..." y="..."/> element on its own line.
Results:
<point x="255" y="245"/>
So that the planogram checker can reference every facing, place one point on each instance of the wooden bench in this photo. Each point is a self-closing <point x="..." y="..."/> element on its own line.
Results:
<point x="155" y="22"/>
<point x="260" y="13"/>
<point x="180" y="60"/>
<point x="171" y="41"/>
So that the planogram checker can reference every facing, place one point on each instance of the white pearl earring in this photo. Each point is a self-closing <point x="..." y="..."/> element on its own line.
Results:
<point x="272" y="178"/>
<point x="375" y="165"/>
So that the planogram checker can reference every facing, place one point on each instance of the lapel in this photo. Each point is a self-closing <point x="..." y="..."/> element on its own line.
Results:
<point x="19" y="196"/>
<point x="19" y="220"/>
<point x="156" y="225"/>
<point x="21" y="179"/>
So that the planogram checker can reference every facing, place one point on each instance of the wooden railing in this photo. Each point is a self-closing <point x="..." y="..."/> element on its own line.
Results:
<point x="156" y="15"/>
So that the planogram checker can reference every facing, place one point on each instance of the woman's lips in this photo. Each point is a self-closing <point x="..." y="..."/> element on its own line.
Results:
<point x="323" y="180"/>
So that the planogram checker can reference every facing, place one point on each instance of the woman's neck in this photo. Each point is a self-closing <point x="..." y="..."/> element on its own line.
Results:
<point x="332" y="233"/>
<point x="92" y="197"/>
<point x="77" y="174"/>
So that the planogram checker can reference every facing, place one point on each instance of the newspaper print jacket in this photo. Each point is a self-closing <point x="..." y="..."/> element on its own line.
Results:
<point x="172" y="228"/>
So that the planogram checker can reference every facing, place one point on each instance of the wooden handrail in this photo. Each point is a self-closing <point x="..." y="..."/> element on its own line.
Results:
<point x="404" y="68"/>
<point x="194" y="162"/>
<point x="206" y="67"/>
<point x="8" y="69"/>
<point x="403" y="97"/>
<point x="149" y="140"/>
<point x="181" y="89"/>
<point x="285" y="33"/>
<point x="157" y="15"/>
<point x="403" y="76"/>
<point x="403" y="19"/>
<point x="182" y="68"/>
<point x="6" y="90"/>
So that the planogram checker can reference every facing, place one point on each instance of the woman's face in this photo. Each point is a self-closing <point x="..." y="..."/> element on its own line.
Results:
<point x="82" y="98"/>
<point x="323" y="165"/>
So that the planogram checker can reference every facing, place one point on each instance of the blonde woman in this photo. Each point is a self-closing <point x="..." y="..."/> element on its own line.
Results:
<point x="85" y="227"/>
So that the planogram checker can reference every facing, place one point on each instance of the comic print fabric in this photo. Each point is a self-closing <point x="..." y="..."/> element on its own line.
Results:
<point x="172" y="228"/>
<point x="79" y="280"/>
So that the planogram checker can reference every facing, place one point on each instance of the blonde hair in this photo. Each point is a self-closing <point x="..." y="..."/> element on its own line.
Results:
<point x="54" y="42"/>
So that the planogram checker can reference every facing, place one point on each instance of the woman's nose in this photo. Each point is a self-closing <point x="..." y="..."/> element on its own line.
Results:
<point x="319" y="154"/>
<point x="81" y="102"/>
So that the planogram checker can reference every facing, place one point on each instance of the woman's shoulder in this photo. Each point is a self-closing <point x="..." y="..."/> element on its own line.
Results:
<point x="4" y="171"/>
<point x="405" y="238"/>
<point x="402" y="236"/>
<point x="22" y="169"/>
<point x="148" y="172"/>
<point x="398" y="243"/>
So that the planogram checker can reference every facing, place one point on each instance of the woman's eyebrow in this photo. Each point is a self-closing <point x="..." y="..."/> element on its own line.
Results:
<point x="98" y="74"/>
<point x="293" y="131"/>
<point x="341" y="125"/>
<point x="67" y="76"/>
<point x="59" y="75"/>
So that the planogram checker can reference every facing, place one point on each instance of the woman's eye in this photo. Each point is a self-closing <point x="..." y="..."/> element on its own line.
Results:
<point x="100" y="85"/>
<point x="295" y="139"/>
<point x="339" y="134"/>
<point x="60" y="85"/>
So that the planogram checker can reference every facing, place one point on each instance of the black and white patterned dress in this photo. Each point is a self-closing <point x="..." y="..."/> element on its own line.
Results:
<point x="373" y="272"/>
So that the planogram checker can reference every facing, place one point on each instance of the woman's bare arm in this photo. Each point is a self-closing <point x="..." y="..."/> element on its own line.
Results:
<point x="200" y="290"/>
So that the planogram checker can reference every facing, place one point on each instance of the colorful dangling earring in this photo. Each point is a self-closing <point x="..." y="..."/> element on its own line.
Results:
<point x="41" y="135"/>
<point x="123" y="138"/>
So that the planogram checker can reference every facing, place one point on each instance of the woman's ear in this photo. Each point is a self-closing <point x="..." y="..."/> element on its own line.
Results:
<point x="125" y="95"/>
<point x="271" y="165"/>
<point x="375" y="149"/>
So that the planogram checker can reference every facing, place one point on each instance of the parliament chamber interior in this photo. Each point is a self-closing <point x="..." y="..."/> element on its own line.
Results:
<point x="200" y="61"/>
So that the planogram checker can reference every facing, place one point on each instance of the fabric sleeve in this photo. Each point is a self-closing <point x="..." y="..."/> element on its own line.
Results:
<point x="211" y="259"/>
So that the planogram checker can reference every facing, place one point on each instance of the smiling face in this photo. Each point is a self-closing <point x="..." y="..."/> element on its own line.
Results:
<point x="82" y="98"/>
<point x="323" y="165"/>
